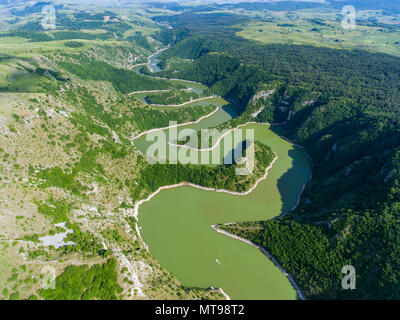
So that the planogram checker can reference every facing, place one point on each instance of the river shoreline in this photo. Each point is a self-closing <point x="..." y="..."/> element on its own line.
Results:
<point x="188" y="184"/>
<point x="262" y="249"/>
<point x="267" y="254"/>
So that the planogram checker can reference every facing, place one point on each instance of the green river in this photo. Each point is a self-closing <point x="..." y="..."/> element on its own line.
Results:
<point x="176" y="223"/>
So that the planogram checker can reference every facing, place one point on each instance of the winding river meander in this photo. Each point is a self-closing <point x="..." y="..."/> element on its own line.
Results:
<point x="176" y="223"/>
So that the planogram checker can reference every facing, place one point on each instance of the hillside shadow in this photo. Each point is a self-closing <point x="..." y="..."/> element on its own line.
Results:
<point x="291" y="182"/>
<point x="235" y="155"/>
<point x="278" y="129"/>
<point x="231" y="110"/>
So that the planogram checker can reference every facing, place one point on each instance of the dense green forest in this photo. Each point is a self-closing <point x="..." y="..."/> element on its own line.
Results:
<point x="224" y="176"/>
<point x="208" y="69"/>
<point x="114" y="26"/>
<point x="123" y="80"/>
<point x="316" y="253"/>
<point x="344" y="108"/>
<point x="172" y="97"/>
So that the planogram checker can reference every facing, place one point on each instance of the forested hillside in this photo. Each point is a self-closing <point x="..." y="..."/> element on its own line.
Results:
<point x="344" y="109"/>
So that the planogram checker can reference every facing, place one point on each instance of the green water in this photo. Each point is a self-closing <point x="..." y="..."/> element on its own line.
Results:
<point x="175" y="224"/>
